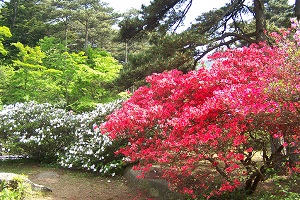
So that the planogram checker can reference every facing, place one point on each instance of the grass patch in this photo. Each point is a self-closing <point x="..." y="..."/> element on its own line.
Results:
<point x="19" y="166"/>
<point x="15" y="189"/>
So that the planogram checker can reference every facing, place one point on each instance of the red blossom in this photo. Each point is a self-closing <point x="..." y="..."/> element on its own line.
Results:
<point x="182" y="121"/>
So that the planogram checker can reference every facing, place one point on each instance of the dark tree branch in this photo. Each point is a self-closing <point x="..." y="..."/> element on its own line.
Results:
<point x="237" y="37"/>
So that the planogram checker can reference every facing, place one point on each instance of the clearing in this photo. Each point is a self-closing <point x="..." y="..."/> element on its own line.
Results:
<point x="74" y="185"/>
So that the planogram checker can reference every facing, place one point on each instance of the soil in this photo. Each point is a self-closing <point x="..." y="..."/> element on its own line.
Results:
<point x="76" y="185"/>
<point x="79" y="185"/>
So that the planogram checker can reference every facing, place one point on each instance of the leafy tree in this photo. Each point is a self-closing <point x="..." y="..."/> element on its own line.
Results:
<point x="84" y="23"/>
<point x="4" y="33"/>
<point x="49" y="73"/>
<point x="83" y="78"/>
<point x="94" y="15"/>
<point x="164" y="53"/>
<point x="205" y="127"/>
<point x="279" y="13"/>
<point x="77" y="23"/>
<point x="128" y="46"/>
<point x="219" y="28"/>
<point x="5" y="71"/>
<point x="27" y="83"/>
<point x="26" y="20"/>
<point x="54" y="50"/>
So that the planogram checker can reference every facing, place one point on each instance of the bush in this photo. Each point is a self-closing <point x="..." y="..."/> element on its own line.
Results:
<point x="92" y="150"/>
<point x="37" y="130"/>
<point x="209" y="130"/>
<point x="49" y="134"/>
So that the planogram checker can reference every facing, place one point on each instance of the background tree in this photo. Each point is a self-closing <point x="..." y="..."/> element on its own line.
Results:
<point x="27" y="82"/>
<point x="26" y="20"/>
<point x="77" y="23"/>
<point x="279" y="13"/>
<point x="50" y="74"/>
<point x="84" y="23"/>
<point x="5" y="71"/>
<point x="84" y="78"/>
<point x="227" y="26"/>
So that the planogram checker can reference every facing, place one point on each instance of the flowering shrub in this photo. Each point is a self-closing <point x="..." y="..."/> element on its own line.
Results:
<point x="209" y="130"/>
<point x="46" y="133"/>
<point x="92" y="150"/>
<point x="37" y="130"/>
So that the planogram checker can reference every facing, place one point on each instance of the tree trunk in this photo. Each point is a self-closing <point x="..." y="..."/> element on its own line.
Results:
<point x="275" y="144"/>
<point x="293" y="157"/>
<point x="260" y="18"/>
<point x="14" y="17"/>
<point x="257" y="176"/>
<point x="66" y="32"/>
<point x="86" y="39"/>
<point x="297" y="9"/>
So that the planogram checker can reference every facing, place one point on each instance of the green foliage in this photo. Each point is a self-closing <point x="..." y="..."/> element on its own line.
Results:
<point x="15" y="190"/>
<point x="83" y="23"/>
<point x="27" y="81"/>
<point x="29" y="58"/>
<point x="84" y="86"/>
<point x="283" y="188"/>
<point x="160" y="14"/>
<point x="171" y="51"/>
<point x="49" y="73"/>
<point x="107" y="67"/>
<point x="54" y="50"/>
<point x="26" y="20"/>
<point x="278" y="13"/>
<point x="6" y="74"/>
<point x="82" y="77"/>
<point x="4" y="33"/>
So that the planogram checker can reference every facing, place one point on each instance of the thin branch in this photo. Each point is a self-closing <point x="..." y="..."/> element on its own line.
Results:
<point x="237" y="37"/>
<point x="186" y="9"/>
<point x="218" y="168"/>
<point x="230" y="9"/>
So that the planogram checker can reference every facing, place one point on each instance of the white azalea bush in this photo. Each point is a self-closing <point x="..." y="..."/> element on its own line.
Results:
<point x="92" y="150"/>
<point x="36" y="130"/>
<point x="50" y="134"/>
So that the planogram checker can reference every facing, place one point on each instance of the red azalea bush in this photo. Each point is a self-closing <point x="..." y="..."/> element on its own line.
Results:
<point x="210" y="130"/>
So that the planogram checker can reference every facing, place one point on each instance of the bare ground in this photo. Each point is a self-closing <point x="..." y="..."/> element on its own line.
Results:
<point x="76" y="185"/>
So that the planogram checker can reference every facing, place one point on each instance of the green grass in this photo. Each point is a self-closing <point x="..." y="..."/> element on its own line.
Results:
<point x="15" y="190"/>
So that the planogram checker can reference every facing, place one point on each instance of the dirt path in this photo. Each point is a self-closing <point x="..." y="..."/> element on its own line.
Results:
<point x="76" y="185"/>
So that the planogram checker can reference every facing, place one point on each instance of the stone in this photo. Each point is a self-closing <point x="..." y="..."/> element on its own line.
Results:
<point x="152" y="183"/>
<point x="11" y="179"/>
